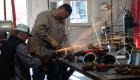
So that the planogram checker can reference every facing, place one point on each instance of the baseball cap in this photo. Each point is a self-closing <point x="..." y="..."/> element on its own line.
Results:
<point x="24" y="28"/>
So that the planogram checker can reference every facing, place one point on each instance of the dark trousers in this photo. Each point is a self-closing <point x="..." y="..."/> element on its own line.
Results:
<point x="37" y="74"/>
<point x="65" y="73"/>
<point x="56" y="71"/>
<point x="53" y="72"/>
<point x="28" y="75"/>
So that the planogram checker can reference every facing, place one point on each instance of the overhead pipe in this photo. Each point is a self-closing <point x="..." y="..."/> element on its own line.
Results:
<point x="13" y="12"/>
<point x="5" y="13"/>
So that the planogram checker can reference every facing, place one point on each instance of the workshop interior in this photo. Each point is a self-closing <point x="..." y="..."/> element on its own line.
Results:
<point x="69" y="39"/>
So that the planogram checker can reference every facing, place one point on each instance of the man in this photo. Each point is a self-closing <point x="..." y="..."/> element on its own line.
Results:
<point x="17" y="60"/>
<point x="49" y="35"/>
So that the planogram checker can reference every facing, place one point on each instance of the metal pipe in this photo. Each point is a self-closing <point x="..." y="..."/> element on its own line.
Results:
<point x="13" y="12"/>
<point x="4" y="2"/>
<point x="111" y="2"/>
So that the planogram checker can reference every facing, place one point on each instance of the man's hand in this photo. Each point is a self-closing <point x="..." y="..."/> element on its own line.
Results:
<point x="35" y="55"/>
<point x="54" y="43"/>
<point x="68" y="50"/>
<point x="63" y="51"/>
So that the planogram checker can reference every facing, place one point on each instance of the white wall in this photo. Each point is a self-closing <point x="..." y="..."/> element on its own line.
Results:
<point x="33" y="8"/>
<point x="54" y="0"/>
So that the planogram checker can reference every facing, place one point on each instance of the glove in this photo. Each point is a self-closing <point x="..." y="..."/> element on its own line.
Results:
<point x="71" y="57"/>
<point x="54" y="43"/>
<point x="63" y="50"/>
<point x="33" y="54"/>
<point x="51" y="54"/>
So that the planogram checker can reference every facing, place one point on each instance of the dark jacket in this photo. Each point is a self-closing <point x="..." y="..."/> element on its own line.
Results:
<point x="17" y="59"/>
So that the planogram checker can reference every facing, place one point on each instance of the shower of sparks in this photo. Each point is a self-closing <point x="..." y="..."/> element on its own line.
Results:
<point x="97" y="36"/>
<point x="81" y="41"/>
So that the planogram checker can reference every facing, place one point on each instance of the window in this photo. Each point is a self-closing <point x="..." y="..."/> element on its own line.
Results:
<point x="1" y="10"/>
<point x="80" y="14"/>
<point x="59" y="3"/>
<point x="8" y="10"/>
<point x="21" y="11"/>
<point x="20" y="7"/>
<point x="80" y="11"/>
<point x="55" y="3"/>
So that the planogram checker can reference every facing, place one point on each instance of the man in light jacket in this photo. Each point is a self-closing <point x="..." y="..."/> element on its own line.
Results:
<point x="49" y="35"/>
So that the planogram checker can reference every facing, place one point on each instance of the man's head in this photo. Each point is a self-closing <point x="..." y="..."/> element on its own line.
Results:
<point x="63" y="11"/>
<point x="22" y="32"/>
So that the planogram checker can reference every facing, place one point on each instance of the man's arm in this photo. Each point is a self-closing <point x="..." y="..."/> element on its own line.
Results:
<point x="23" y="55"/>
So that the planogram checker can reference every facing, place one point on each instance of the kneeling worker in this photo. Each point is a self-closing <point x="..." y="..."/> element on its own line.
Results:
<point x="19" y="58"/>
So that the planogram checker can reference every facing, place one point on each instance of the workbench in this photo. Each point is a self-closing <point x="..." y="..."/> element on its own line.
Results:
<point x="95" y="75"/>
